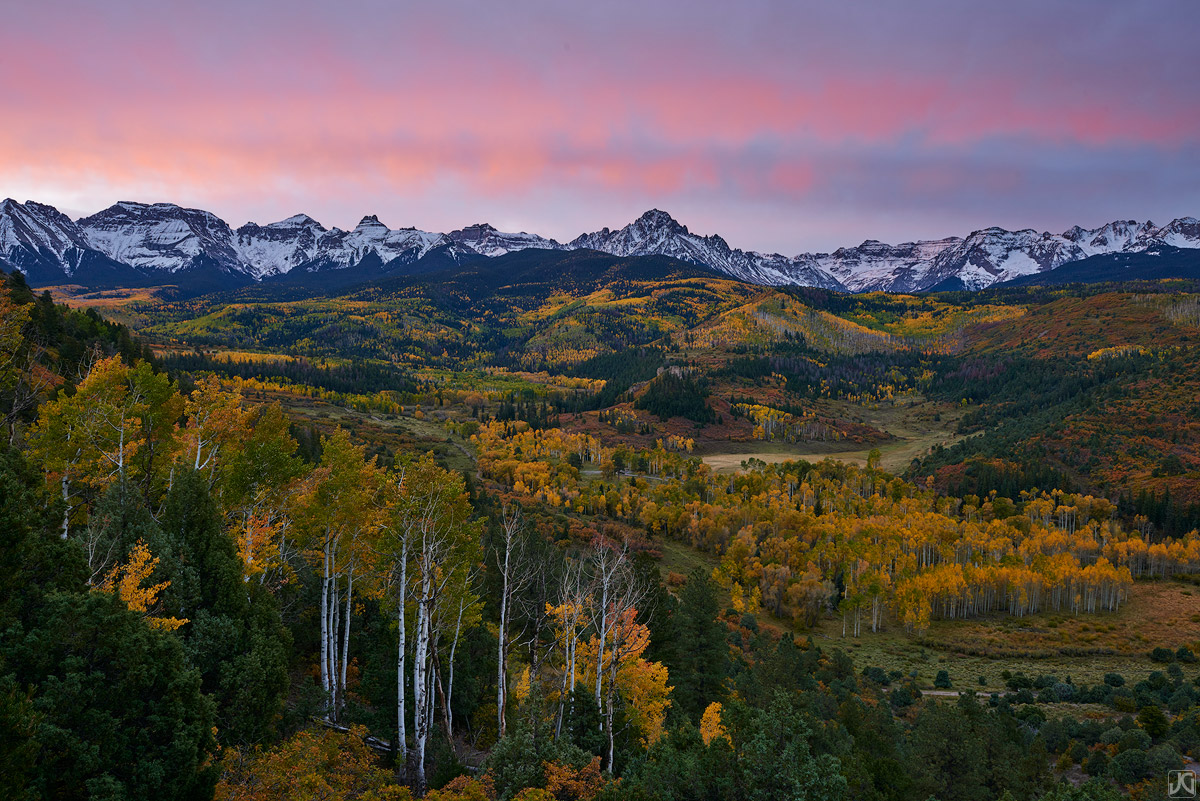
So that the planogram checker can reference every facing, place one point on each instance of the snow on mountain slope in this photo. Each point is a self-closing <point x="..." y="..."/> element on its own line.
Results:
<point x="656" y="233"/>
<point x="162" y="236"/>
<point x="487" y="241"/>
<point x="274" y="249"/>
<point x="1181" y="233"/>
<point x="874" y="264"/>
<point x="991" y="255"/>
<point x="36" y="226"/>
<point x="134" y="241"/>
<point x="346" y="248"/>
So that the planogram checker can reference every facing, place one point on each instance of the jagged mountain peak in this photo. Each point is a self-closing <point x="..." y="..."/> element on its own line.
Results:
<point x="370" y="222"/>
<point x="296" y="221"/>
<point x="164" y="237"/>
<point x="658" y="217"/>
<point x="38" y="228"/>
<point x="486" y="240"/>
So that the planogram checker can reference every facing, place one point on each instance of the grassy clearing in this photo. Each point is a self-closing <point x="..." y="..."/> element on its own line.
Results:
<point x="1159" y="614"/>
<point x="682" y="559"/>
<point x="398" y="433"/>
<point x="915" y="425"/>
<point x="117" y="305"/>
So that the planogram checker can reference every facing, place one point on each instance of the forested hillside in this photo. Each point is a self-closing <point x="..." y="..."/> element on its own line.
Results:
<point x="574" y="535"/>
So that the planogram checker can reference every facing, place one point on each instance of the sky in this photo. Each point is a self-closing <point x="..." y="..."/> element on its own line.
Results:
<point x="783" y="126"/>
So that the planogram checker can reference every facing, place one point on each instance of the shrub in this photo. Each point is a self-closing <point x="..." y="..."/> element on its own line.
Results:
<point x="1129" y="767"/>
<point x="1133" y="739"/>
<point x="1018" y="682"/>
<point x="876" y="674"/>
<point x="1184" y="654"/>
<point x="942" y="681"/>
<point x="1114" y="679"/>
<point x="1153" y="722"/>
<point x="1096" y="764"/>
<point x="1163" y="758"/>
<point x="1161" y="654"/>
<point x="1064" y="691"/>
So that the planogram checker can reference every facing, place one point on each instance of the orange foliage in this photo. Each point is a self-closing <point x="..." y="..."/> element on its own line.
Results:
<point x="127" y="581"/>
<point x="310" y="766"/>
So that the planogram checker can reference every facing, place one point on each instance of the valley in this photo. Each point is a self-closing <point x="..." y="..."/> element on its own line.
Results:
<point x="995" y="493"/>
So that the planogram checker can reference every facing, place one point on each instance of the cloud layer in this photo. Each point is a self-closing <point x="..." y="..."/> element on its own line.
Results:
<point x="783" y="126"/>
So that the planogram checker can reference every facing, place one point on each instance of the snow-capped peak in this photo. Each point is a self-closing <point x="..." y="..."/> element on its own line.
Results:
<point x="162" y="236"/>
<point x="296" y="221"/>
<point x="484" y="239"/>
<point x="37" y="227"/>
<point x="658" y="233"/>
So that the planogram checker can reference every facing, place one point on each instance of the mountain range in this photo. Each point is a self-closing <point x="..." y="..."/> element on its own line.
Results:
<point x="138" y="244"/>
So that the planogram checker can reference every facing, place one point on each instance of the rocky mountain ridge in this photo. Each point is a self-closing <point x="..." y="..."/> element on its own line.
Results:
<point x="165" y="243"/>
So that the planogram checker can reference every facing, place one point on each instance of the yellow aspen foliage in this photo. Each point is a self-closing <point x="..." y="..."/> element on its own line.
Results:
<point x="521" y="689"/>
<point x="127" y="581"/>
<point x="465" y="788"/>
<point x="311" y="765"/>
<point x="641" y="684"/>
<point x="566" y="783"/>
<point x="256" y="546"/>
<point x="710" y="724"/>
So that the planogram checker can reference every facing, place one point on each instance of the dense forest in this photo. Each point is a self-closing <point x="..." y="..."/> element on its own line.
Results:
<point x="226" y="575"/>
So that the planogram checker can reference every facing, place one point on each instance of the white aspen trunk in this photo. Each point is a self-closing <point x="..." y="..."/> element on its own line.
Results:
<point x="66" y="496"/>
<point x="609" y="712"/>
<point x="502" y="647"/>
<point x="420" y="680"/>
<point x="401" y="653"/>
<point x="334" y="621"/>
<point x="345" y="640"/>
<point x="325" y="629"/>
<point x="603" y="637"/>
<point x="450" y="678"/>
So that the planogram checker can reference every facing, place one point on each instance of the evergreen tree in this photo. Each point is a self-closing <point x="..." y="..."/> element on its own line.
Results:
<point x="235" y="637"/>
<point x="698" y="653"/>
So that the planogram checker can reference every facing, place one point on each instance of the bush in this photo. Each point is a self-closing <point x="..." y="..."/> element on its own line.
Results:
<point x="1163" y="758"/>
<point x="1180" y="700"/>
<point x="1018" y="682"/>
<point x="1096" y="764"/>
<point x="877" y="675"/>
<point x="1161" y="654"/>
<point x="1024" y="697"/>
<point x="1123" y="701"/>
<point x="1043" y="681"/>
<point x="1129" y="767"/>
<point x="1064" y="691"/>
<point x="1134" y="739"/>
<point x="942" y="681"/>
<point x="1031" y="715"/>
<point x="1114" y="679"/>
<point x="1184" y="654"/>
<point x="1153" y="722"/>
